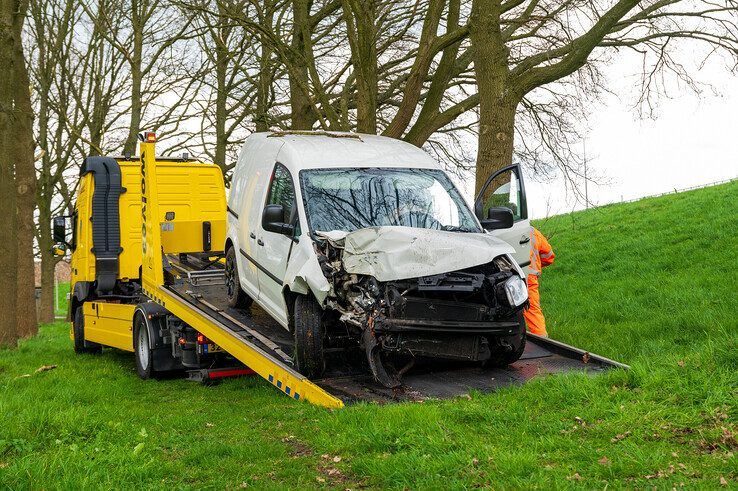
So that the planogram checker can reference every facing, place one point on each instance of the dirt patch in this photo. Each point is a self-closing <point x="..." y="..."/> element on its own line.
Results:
<point x="297" y="448"/>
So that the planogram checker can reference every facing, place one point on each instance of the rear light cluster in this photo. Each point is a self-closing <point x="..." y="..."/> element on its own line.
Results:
<point x="201" y="339"/>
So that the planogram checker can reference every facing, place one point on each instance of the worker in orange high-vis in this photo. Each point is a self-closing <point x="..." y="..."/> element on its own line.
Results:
<point x="541" y="255"/>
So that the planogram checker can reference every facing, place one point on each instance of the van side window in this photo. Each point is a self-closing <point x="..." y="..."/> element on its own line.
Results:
<point x="282" y="191"/>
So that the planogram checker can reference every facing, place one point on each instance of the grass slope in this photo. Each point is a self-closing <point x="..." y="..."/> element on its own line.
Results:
<point x="651" y="284"/>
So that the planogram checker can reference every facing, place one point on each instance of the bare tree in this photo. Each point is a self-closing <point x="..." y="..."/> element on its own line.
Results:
<point x="8" y="246"/>
<point x="25" y="181"/>
<point x="522" y="46"/>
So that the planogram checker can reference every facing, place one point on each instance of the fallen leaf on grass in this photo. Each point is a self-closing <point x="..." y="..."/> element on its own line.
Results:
<point x="681" y="363"/>
<point x="575" y="477"/>
<point x="209" y="425"/>
<point x="604" y="461"/>
<point x="3" y="465"/>
<point x="585" y="357"/>
<point x="320" y="479"/>
<point x="138" y="448"/>
<point x="475" y="461"/>
<point x="45" y="368"/>
<point x="619" y="437"/>
<point x="723" y="481"/>
<point x="336" y="459"/>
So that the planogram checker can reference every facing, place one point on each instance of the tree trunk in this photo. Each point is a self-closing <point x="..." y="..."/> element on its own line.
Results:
<point x="265" y="80"/>
<point x="497" y="100"/>
<point x="8" y="244"/>
<point x="48" y="262"/>
<point x="303" y="114"/>
<point x="360" y="22"/>
<point x="136" y="79"/>
<point x="25" y="181"/>
<point x="221" y="97"/>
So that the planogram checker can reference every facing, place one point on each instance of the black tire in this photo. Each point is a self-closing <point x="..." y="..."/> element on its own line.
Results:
<point x="78" y="331"/>
<point x="308" y="321"/>
<point x="502" y="359"/>
<point x="142" y="348"/>
<point x="236" y="296"/>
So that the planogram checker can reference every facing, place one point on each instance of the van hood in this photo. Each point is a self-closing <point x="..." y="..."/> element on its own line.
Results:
<point x="397" y="253"/>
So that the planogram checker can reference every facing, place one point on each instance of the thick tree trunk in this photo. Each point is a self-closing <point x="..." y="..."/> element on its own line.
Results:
<point x="303" y="114"/>
<point x="221" y="98"/>
<point x="25" y="181"/>
<point x="8" y="244"/>
<point x="261" y="116"/>
<point x="497" y="99"/>
<point x="360" y="21"/>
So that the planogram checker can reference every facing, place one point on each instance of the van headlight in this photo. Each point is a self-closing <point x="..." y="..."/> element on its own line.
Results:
<point x="516" y="291"/>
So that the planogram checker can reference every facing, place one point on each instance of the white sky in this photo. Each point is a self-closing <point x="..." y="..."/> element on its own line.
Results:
<point x="691" y="142"/>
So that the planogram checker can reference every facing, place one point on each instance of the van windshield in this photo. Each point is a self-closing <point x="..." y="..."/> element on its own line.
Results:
<point x="351" y="199"/>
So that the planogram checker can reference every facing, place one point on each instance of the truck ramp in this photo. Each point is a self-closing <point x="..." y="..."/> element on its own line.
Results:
<point x="350" y="381"/>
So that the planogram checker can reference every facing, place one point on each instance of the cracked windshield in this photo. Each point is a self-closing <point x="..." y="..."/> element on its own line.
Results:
<point x="350" y="199"/>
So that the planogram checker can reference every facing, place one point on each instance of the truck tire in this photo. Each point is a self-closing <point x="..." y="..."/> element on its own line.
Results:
<point x="237" y="298"/>
<point x="308" y="315"/>
<point x="502" y="359"/>
<point x="142" y="348"/>
<point x="78" y="332"/>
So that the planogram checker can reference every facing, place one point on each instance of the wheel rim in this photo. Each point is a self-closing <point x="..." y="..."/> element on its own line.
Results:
<point x="143" y="347"/>
<point x="230" y="277"/>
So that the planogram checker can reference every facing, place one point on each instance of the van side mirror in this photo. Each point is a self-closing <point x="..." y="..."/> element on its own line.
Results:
<point x="498" y="217"/>
<point x="272" y="220"/>
<point x="59" y="230"/>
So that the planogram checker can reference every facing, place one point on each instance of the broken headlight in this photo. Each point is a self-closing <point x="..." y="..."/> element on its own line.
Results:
<point x="516" y="291"/>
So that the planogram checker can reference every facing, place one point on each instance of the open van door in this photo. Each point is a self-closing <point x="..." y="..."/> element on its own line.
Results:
<point x="505" y="188"/>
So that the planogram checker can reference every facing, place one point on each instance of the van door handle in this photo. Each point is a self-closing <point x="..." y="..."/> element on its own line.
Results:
<point x="252" y="235"/>
<point x="260" y="242"/>
<point x="524" y="240"/>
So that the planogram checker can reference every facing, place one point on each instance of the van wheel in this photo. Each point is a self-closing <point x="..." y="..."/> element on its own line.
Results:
<point x="142" y="348"/>
<point x="516" y="343"/>
<point x="236" y="296"/>
<point x="308" y="337"/>
<point x="78" y="332"/>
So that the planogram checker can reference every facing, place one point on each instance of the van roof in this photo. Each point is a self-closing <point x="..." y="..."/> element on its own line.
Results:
<point x="319" y="149"/>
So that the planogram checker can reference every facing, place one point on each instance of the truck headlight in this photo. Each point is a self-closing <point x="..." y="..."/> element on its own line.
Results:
<point x="516" y="290"/>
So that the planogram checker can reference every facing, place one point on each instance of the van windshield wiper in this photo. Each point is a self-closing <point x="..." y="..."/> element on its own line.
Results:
<point x="454" y="228"/>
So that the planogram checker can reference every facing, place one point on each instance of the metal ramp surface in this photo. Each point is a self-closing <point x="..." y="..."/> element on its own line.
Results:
<point x="350" y="381"/>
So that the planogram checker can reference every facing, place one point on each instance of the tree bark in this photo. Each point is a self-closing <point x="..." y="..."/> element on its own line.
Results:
<point x="360" y="17"/>
<point x="261" y="118"/>
<point x="303" y="113"/>
<point x="25" y="182"/>
<point x="137" y="25"/>
<point x="8" y="244"/>
<point x="221" y="92"/>
<point x="497" y="99"/>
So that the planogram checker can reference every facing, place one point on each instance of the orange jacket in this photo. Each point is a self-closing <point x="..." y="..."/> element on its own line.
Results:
<point x="541" y="253"/>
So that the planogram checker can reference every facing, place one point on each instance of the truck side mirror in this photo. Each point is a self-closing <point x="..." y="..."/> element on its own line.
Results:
<point x="498" y="217"/>
<point x="60" y="230"/>
<point x="272" y="220"/>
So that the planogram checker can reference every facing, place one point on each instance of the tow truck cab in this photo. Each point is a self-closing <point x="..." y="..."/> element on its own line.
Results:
<point x="104" y="236"/>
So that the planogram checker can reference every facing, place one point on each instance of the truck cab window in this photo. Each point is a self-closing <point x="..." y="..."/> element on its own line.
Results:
<point x="282" y="191"/>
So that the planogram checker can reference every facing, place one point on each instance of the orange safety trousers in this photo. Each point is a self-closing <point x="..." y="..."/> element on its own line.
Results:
<point x="533" y="314"/>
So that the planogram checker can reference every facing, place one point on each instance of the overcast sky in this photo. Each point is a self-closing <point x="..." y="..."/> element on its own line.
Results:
<point x="692" y="141"/>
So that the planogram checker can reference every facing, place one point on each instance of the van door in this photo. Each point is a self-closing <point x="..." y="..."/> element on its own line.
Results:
<point x="505" y="188"/>
<point x="274" y="249"/>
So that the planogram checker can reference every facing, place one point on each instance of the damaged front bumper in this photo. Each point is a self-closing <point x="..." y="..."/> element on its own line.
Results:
<point x="459" y="315"/>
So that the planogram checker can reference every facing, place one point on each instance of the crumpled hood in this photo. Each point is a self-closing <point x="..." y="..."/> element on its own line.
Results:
<point x="396" y="253"/>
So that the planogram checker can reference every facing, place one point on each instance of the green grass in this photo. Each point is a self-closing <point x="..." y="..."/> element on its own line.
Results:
<point x="62" y="289"/>
<point x="651" y="284"/>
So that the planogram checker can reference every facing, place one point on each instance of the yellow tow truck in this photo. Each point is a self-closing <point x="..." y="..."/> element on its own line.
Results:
<point x="146" y="241"/>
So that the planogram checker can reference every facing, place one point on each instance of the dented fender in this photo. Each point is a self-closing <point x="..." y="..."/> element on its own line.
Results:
<point x="303" y="274"/>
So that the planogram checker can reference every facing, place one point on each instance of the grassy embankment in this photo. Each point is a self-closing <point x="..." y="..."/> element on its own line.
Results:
<point x="651" y="284"/>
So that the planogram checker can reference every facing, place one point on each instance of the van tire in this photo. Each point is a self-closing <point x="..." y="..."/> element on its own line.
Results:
<point x="517" y="341"/>
<point x="78" y="333"/>
<point x="237" y="298"/>
<point x="308" y="319"/>
<point x="142" y="348"/>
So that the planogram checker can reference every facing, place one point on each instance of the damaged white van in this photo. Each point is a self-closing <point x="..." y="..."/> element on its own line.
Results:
<point x="361" y="242"/>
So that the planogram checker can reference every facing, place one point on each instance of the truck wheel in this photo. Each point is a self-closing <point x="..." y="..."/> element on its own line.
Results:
<point x="501" y="359"/>
<point x="308" y="337"/>
<point x="78" y="331"/>
<point x="236" y="296"/>
<point x="142" y="348"/>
